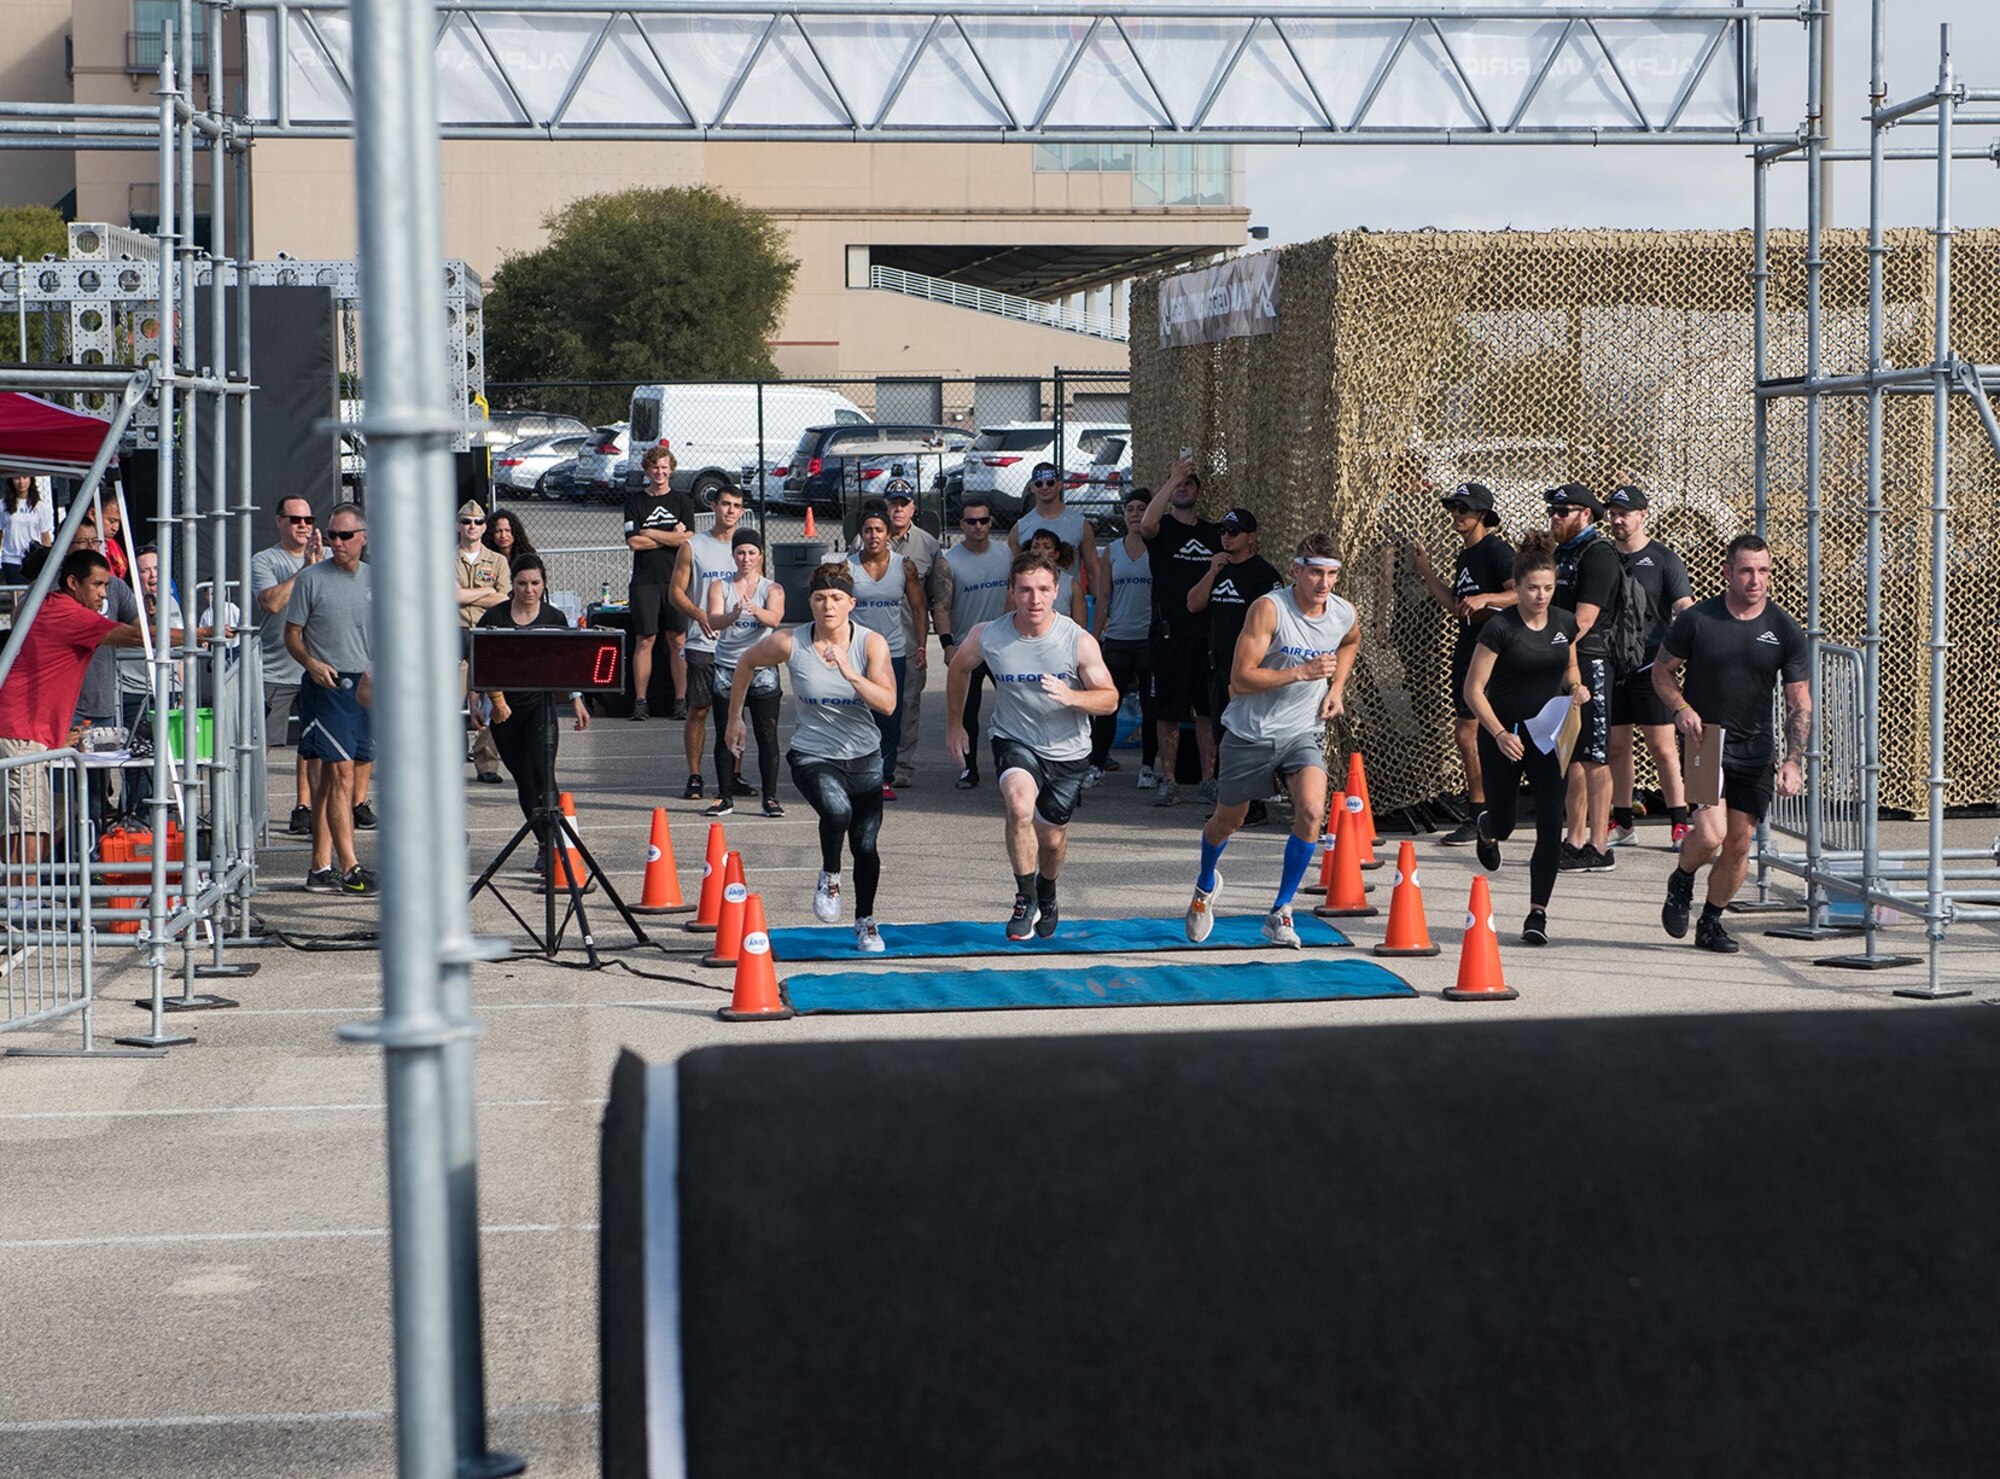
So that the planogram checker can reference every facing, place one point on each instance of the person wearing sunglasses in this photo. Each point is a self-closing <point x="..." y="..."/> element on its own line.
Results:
<point x="483" y="583"/>
<point x="969" y="586"/>
<point x="326" y="631"/>
<point x="272" y="571"/>
<point x="1069" y="524"/>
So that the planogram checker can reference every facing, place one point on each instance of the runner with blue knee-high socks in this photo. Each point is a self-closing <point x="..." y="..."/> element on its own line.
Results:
<point x="1286" y="681"/>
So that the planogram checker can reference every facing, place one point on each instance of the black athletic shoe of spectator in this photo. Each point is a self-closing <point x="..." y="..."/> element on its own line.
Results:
<point x="1574" y="859"/>
<point x="302" y="821"/>
<point x="743" y="788"/>
<point x="692" y="791"/>
<point x="1021" y="923"/>
<point x="1535" y="928"/>
<point x="364" y="817"/>
<point x="1463" y="835"/>
<point x="1680" y="899"/>
<point x="640" y="713"/>
<point x="967" y="778"/>
<point x="1599" y="860"/>
<point x="1489" y="850"/>
<point x="1710" y="935"/>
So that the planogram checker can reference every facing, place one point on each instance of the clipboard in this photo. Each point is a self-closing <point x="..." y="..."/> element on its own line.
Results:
<point x="1701" y="768"/>
<point x="1566" y="737"/>
<point x="1555" y="729"/>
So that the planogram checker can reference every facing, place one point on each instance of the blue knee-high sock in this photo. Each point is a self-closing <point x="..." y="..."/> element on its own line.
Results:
<point x="1298" y="856"/>
<point x="1210" y="853"/>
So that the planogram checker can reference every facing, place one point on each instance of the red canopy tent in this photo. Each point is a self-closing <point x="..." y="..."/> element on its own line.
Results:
<point x="42" y="437"/>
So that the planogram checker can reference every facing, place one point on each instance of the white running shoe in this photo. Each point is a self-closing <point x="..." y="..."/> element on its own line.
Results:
<point x="1201" y="911"/>
<point x="1092" y="777"/>
<point x="826" y="898"/>
<point x="867" y="938"/>
<point x="1147" y="780"/>
<point x="1279" y="931"/>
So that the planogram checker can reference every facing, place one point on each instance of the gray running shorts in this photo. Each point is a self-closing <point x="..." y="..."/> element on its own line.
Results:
<point x="1246" y="770"/>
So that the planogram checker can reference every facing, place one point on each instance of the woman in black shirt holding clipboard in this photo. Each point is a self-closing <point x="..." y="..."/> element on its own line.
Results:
<point x="1526" y="659"/>
<point x="517" y="722"/>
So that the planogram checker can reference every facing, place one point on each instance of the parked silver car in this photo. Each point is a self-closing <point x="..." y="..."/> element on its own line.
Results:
<point x="522" y="467"/>
<point x="600" y="463"/>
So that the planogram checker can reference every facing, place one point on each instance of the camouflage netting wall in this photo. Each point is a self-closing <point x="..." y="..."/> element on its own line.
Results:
<point x="1405" y="364"/>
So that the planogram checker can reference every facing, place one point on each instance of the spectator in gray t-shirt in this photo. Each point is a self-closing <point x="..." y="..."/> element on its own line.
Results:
<point x="271" y="574"/>
<point x="326" y="632"/>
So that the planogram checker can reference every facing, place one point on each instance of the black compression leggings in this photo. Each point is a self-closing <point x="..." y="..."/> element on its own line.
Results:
<point x="847" y="794"/>
<point x="1503" y="794"/>
<point x="761" y="709"/>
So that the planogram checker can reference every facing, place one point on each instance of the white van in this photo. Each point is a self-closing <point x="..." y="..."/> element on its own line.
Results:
<point x="713" y="429"/>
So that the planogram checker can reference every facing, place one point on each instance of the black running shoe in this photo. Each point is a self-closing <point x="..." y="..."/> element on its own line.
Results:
<point x="1535" y="929"/>
<point x="364" y="817"/>
<point x="1463" y="835"/>
<point x="1574" y="859"/>
<point x="692" y="791"/>
<point x="1680" y="899"/>
<point x="323" y="881"/>
<point x="967" y="778"/>
<point x="1599" y="860"/>
<point x="1021" y="923"/>
<point x="1047" y="916"/>
<point x="640" y="713"/>
<point x="1257" y="815"/>
<point x="743" y="788"/>
<point x="302" y="822"/>
<point x="358" y="880"/>
<point x="1710" y="935"/>
<point x="721" y="807"/>
<point x="1489" y="850"/>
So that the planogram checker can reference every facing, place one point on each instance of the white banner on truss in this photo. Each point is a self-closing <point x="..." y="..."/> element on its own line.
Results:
<point x="1231" y="300"/>
<point x="977" y="71"/>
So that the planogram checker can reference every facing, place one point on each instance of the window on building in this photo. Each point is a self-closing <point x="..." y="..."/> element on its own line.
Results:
<point x="1162" y="174"/>
<point x="150" y="19"/>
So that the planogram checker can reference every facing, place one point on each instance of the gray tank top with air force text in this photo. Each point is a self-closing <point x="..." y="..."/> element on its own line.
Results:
<point x="833" y="722"/>
<point x="1280" y="713"/>
<point x="978" y="585"/>
<point x="1021" y="711"/>
<point x="710" y="560"/>
<point x="879" y="604"/>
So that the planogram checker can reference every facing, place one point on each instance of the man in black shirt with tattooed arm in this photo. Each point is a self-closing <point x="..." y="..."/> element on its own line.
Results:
<point x="1732" y="650"/>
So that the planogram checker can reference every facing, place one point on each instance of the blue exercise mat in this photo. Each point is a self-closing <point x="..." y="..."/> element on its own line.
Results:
<point x="1095" y="985"/>
<point x="1076" y="937"/>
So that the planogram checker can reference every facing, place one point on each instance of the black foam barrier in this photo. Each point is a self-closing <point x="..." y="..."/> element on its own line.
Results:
<point x="1681" y="1247"/>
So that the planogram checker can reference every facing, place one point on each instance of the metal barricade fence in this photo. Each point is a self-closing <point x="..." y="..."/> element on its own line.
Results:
<point x="1837" y="721"/>
<point x="46" y="969"/>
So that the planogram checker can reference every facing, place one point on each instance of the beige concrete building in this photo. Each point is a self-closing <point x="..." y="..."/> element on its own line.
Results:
<point x="915" y="259"/>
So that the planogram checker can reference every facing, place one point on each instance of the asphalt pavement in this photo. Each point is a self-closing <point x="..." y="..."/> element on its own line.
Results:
<point x="193" y="1250"/>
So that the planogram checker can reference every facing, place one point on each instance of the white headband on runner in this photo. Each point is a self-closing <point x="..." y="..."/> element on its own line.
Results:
<point x="1317" y="562"/>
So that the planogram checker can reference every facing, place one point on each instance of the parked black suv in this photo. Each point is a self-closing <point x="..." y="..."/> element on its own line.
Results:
<point x="835" y="466"/>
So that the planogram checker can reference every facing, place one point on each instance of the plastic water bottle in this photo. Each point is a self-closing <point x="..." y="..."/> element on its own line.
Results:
<point x="604" y="594"/>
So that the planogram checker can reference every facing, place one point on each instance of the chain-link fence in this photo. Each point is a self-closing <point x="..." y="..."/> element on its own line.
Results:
<point x="1404" y="364"/>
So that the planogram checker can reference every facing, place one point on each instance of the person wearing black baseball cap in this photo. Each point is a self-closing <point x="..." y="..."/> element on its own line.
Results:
<point x="1482" y="583"/>
<point x="1588" y="577"/>
<point x="1634" y="702"/>
<point x="1236" y="576"/>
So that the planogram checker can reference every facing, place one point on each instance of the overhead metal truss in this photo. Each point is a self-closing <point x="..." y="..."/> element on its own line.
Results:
<point x="110" y="296"/>
<point x="1629" y="71"/>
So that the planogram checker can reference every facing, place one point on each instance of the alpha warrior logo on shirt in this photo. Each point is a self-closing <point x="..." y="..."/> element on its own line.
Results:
<point x="1559" y="640"/>
<point x="1194" y="549"/>
<point x="1771" y="637"/>
<point x="1646" y="560"/>
<point x="1225" y="590"/>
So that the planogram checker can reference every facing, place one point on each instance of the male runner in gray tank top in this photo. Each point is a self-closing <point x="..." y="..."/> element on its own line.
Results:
<point x="1288" y="678"/>
<point x="1048" y="679"/>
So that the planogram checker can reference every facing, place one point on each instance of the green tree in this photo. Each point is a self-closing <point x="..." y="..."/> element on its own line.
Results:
<point x="32" y="231"/>
<point x="684" y="283"/>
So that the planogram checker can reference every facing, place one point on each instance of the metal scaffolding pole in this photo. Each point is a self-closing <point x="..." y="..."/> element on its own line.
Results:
<point x="427" y="945"/>
<point x="1937" y="909"/>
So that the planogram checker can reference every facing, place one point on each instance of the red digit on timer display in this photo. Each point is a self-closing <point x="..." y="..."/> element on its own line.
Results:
<point x="605" y="670"/>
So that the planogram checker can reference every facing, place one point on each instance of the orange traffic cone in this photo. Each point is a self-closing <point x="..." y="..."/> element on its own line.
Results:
<point x="1408" y="934"/>
<point x="1326" y="843"/>
<point x="662" y="891"/>
<point x="729" y="926"/>
<point x="812" y="529"/>
<point x="1479" y="974"/>
<point x="1357" y="785"/>
<point x="708" y="912"/>
<point x="1347" y="895"/>
<point x="565" y="862"/>
<point x="756" y="998"/>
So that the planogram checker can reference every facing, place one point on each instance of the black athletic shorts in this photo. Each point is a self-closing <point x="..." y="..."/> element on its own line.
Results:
<point x="1058" y="783"/>
<point x="1218" y="692"/>
<point x="701" y="680"/>
<point x="1749" y="792"/>
<point x="1179" y="678"/>
<point x="1593" y="740"/>
<point x="653" y="612"/>
<point x="1634" y="700"/>
<point x="1461" y="666"/>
